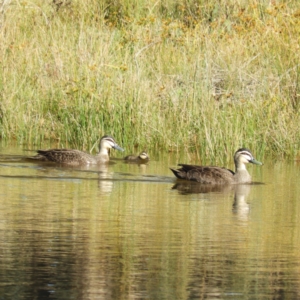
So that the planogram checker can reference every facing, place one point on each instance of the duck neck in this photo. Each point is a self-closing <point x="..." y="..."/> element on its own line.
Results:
<point x="241" y="174"/>
<point x="103" y="154"/>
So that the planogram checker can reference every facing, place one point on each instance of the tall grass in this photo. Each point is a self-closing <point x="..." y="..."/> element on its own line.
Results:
<point x="201" y="76"/>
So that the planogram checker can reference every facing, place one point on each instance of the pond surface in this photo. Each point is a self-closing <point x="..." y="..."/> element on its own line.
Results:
<point x="126" y="231"/>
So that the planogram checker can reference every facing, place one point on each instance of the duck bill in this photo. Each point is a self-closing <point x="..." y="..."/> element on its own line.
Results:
<point x="253" y="161"/>
<point x="117" y="147"/>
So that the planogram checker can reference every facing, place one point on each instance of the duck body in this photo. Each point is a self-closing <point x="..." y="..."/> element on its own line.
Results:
<point x="77" y="157"/>
<point x="205" y="175"/>
<point x="219" y="175"/>
<point x="69" y="156"/>
<point x="142" y="158"/>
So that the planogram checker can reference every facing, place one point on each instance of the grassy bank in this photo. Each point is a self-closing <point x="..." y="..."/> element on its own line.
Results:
<point x="195" y="76"/>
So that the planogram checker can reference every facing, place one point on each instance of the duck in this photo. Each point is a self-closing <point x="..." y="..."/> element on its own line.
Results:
<point x="77" y="157"/>
<point x="219" y="175"/>
<point x="142" y="158"/>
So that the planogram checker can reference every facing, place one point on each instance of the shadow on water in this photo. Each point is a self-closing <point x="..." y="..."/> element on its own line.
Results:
<point x="188" y="187"/>
<point x="185" y="187"/>
<point x="17" y="161"/>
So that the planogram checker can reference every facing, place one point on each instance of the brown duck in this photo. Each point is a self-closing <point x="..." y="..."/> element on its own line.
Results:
<point x="77" y="157"/>
<point x="142" y="158"/>
<point x="218" y="175"/>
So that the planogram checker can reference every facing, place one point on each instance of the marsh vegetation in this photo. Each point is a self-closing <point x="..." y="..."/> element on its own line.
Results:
<point x="199" y="76"/>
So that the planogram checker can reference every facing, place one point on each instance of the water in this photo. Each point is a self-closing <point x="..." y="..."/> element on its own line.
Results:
<point x="129" y="232"/>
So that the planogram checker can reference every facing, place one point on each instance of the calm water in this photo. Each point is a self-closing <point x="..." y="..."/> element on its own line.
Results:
<point x="128" y="232"/>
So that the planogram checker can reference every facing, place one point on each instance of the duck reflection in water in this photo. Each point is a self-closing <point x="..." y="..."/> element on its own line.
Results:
<point x="105" y="179"/>
<point x="240" y="206"/>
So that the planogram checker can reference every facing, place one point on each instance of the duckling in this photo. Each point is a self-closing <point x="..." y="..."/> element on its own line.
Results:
<point x="142" y="158"/>
<point x="77" y="157"/>
<point x="218" y="175"/>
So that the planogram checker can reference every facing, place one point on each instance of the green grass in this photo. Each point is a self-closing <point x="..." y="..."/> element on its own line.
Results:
<point x="198" y="76"/>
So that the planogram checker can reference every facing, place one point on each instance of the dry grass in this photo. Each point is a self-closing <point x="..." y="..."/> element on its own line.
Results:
<point x="207" y="78"/>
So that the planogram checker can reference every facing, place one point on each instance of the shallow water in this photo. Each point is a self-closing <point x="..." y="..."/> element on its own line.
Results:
<point x="126" y="231"/>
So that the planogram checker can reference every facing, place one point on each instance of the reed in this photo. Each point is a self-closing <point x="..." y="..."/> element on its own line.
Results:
<point x="199" y="76"/>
